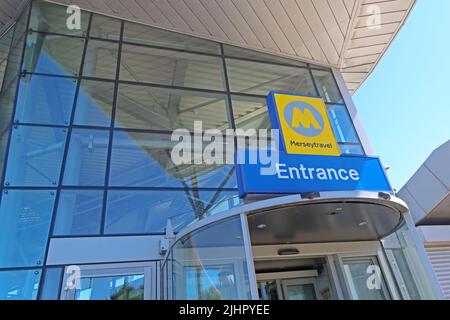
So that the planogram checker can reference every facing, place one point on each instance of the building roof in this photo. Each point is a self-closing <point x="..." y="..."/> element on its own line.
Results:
<point x="336" y="33"/>
<point x="427" y="193"/>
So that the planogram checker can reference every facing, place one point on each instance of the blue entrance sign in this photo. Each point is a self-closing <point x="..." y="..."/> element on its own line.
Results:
<point x="293" y="174"/>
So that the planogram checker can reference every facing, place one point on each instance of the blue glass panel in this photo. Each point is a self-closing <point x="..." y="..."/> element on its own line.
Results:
<point x="94" y="103"/>
<point x="137" y="212"/>
<point x="53" y="54"/>
<point x="35" y="156"/>
<point x="131" y="212"/>
<point x="45" y="100"/>
<point x="86" y="160"/>
<point x="52" y="283"/>
<point x="19" y="284"/>
<point x="351" y="149"/>
<point x="25" y="217"/>
<point x="143" y="159"/>
<point x="79" y="212"/>
<point x="342" y="124"/>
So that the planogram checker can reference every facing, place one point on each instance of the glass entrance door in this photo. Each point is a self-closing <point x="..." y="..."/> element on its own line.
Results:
<point x="364" y="278"/>
<point x="300" y="289"/>
<point x="133" y="281"/>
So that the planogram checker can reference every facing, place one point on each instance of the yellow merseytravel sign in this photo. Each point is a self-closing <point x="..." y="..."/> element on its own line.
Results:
<point x="304" y="123"/>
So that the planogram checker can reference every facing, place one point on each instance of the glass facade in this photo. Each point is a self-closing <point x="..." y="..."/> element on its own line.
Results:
<point x="85" y="125"/>
<point x="210" y="264"/>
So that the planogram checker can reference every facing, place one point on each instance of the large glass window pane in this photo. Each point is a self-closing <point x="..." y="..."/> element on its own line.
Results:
<point x="129" y="287"/>
<point x="53" y="54"/>
<point x="94" y="103"/>
<point x="237" y="52"/>
<point x="138" y="212"/>
<point x="86" y="159"/>
<point x="141" y="34"/>
<point x="19" y="284"/>
<point x="145" y="160"/>
<point x="25" y="217"/>
<point x="101" y="59"/>
<point x="261" y="78"/>
<point x="52" y="284"/>
<point x="146" y="107"/>
<point x="79" y="212"/>
<point x="35" y="156"/>
<point x="327" y="86"/>
<point x="342" y="124"/>
<point x="357" y="272"/>
<point x="5" y="45"/>
<point x="45" y="100"/>
<point x="172" y="68"/>
<point x="15" y="52"/>
<point x="49" y="17"/>
<point x="210" y="264"/>
<point x="105" y="27"/>
<point x="407" y="266"/>
<point x="250" y="113"/>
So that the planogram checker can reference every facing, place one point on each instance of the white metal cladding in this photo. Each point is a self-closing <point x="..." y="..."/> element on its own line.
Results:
<point x="329" y="32"/>
<point x="440" y="260"/>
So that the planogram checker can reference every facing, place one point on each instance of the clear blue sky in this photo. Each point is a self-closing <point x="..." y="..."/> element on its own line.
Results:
<point x="405" y="103"/>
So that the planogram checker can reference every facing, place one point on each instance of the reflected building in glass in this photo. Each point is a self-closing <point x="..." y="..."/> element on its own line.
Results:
<point x="86" y="117"/>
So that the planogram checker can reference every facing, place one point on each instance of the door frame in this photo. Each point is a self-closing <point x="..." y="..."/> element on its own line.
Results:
<point x="333" y="253"/>
<point x="148" y="269"/>
<point x="300" y="281"/>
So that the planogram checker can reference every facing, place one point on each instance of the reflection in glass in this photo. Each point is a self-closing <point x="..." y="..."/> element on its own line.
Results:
<point x="210" y="264"/>
<point x="94" y="103"/>
<point x="101" y="59"/>
<point x="172" y="68"/>
<point x="261" y="78"/>
<point x="51" y="284"/>
<point x="138" y="33"/>
<point x="6" y="106"/>
<point x="86" y="158"/>
<point x="45" y="100"/>
<point x="25" y="217"/>
<point x="48" y="17"/>
<point x="407" y="266"/>
<point x="4" y="138"/>
<point x="237" y="52"/>
<point x="342" y="124"/>
<point x="144" y="107"/>
<point x="143" y="159"/>
<point x="357" y="272"/>
<point x="79" y="212"/>
<point x="130" y="287"/>
<point x="105" y="27"/>
<point x="53" y="54"/>
<point x="250" y="113"/>
<point x="35" y="156"/>
<point x="327" y="86"/>
<point x="19" y="284"/>
<point x="351" y="149"/>
<point x="142" y="212"/>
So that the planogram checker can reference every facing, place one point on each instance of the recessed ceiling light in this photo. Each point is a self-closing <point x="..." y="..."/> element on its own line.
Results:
<point x="363" y="224"/>
<point x="262" y="226"/>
